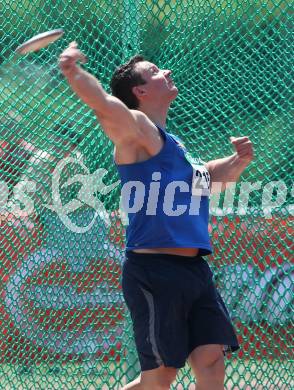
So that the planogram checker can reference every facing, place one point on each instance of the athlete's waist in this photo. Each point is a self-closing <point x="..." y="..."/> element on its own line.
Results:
<point x="189" y="252"/>
<point x="181" y="247"/>
<point x="135" y="256"/>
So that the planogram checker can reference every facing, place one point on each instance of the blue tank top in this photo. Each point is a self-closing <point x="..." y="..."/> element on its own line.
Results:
<point x="166" y="199"/>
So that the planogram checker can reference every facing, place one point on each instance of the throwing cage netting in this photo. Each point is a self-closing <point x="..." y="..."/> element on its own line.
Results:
<point x="63" y="322"/>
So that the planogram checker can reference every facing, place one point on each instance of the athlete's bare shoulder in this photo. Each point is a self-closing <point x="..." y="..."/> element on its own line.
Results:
<point x="143" y="121"/>
<point x="147" y="127"/>
<point x="148" y="144"/>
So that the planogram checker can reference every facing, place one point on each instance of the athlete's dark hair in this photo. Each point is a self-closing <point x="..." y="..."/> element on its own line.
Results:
<point x="124" y="79"/>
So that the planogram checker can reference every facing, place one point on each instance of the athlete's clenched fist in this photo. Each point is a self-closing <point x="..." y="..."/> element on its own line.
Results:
<point x="69" y="57"/>
<point x="244" y="148"/>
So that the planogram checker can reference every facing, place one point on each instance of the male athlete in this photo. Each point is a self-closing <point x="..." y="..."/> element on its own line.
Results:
<point x="176" y="311"/>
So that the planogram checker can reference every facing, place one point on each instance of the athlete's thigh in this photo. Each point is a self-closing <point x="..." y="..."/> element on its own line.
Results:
<point x="159" y="312"/>
<point x="209" y="321"/>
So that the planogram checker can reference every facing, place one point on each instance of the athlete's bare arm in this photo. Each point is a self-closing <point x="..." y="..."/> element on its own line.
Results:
<point x="229" y="169"/>
<point x="126" y="128"/>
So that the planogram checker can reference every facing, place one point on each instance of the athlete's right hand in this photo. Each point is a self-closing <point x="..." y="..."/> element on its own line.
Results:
<point x="69" y="57"/>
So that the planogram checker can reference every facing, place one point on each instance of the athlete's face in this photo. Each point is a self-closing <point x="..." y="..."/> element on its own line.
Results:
<point x="159" y="84"/>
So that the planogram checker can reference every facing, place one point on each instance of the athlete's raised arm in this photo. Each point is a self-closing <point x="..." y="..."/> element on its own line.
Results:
<point x="118" y="121"/>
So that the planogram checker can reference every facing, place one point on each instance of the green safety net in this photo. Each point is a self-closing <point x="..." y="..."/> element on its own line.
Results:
<point x="63" y="321"/>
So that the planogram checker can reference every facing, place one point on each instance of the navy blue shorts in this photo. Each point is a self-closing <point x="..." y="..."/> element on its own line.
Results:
<point x="174" y="307"/>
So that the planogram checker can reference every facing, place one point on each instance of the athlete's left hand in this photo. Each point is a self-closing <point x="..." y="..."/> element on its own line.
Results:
<point x="244" y="148"/>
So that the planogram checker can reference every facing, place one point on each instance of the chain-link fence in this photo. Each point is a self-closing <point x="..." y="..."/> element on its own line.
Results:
<point x="63" y="323"/>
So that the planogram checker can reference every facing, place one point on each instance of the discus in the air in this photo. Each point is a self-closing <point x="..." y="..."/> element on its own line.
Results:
<point x="39" y="41"/>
